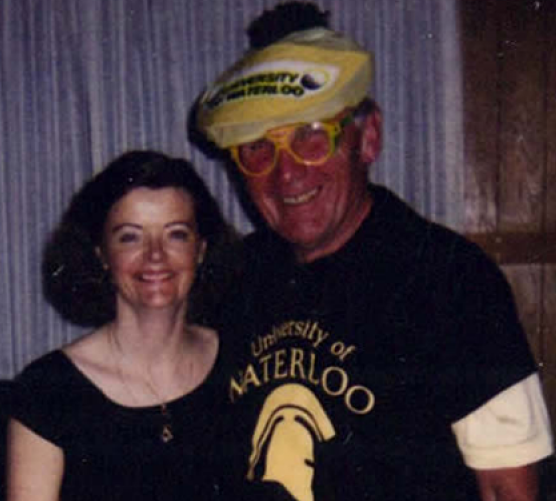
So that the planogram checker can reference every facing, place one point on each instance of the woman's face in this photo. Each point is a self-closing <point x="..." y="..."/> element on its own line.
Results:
<point x="152" y="248"/>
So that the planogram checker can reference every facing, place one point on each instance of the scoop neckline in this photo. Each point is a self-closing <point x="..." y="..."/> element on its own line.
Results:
<point x="142" y="408"/>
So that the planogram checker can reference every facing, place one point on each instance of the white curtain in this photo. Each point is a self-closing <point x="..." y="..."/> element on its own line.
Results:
<point x="82" y="81"/>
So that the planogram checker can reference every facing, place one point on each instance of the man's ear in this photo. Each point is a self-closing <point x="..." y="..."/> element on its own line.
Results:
<point x="371" y="137"/>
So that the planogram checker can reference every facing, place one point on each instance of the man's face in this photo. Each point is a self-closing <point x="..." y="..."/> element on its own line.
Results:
<point x="317" y="208"/>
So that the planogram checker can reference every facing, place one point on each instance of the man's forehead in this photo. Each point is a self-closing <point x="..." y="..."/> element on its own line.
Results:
<point x="284" y="129"/>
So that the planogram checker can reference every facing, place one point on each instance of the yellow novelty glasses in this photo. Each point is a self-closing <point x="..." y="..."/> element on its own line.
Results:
<point x="308" y="143"/>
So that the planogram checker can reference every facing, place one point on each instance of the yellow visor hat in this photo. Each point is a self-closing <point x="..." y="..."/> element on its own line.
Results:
<point x="307" y="76"/>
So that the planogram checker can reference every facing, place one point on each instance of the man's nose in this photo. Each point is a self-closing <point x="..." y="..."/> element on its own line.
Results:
<point x="287" y="168"/>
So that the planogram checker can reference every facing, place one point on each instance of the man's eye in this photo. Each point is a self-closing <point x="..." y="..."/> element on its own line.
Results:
<point x="255" y="146"/>
<point x="260" y="147"/>
<point x="312" y="132"/>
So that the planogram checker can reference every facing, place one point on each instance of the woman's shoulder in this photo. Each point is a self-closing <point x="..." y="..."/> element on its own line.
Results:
<point x="94" y="358"/>
<point x="43" y="394"/>
<point x="58" y="371"/>
<point x="206" y="336"/>
<point x="57" y="362"/>
<point x="44" y="369"/>
<point x="205" y="347"/>
<point x="87" y="352"/>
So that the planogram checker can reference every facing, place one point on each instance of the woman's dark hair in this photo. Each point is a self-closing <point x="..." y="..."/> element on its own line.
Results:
<point x="74" y="280"/>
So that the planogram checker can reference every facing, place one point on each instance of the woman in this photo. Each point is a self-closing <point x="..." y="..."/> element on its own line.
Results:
<point x="127" y="411"/>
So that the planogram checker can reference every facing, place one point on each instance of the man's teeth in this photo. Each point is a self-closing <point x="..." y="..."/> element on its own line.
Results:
<point x="300" y="199"/>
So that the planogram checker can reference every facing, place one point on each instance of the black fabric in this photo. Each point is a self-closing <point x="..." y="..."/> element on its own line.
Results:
<point x="366" y="357"/>
<point x="114" y="452"/>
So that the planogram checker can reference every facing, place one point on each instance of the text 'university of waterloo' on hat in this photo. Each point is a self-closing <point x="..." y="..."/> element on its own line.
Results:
<point x="307" y="76"/>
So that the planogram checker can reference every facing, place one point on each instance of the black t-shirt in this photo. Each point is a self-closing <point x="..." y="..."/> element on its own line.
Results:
<point x="348" y="372"/>
<point x="112" y="452"/>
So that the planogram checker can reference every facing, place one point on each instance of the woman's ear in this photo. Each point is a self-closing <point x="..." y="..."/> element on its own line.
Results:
<point x="201" y="252"/>
<point x="98" y="252"/>
<point x="371" y="137"/>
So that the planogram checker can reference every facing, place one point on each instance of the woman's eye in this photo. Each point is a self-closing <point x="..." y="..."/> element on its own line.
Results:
<point x="126" y="238"/>
<point x="180" y="235"/>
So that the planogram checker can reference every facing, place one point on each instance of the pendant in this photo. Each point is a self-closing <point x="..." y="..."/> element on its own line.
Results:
<point x="166" y="434"/>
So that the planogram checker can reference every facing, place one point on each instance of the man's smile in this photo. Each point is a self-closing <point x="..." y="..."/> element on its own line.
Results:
<point x="302" y="198"/>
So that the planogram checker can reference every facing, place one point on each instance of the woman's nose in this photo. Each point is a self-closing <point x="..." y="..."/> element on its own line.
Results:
<point x="155" y="249"/>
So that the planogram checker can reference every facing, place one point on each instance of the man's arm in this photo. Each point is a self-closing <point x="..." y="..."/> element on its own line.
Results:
<point x="504" y="440"/>
<point x="509" y="484"/>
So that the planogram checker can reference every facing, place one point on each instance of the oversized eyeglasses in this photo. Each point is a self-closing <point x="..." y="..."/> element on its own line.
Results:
<point x="310" y="143"/>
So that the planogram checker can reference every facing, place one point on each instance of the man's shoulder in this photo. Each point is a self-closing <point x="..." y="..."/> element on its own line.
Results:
<point x="263" y="246"/>
<point x="408" y="233"/>
<point x="260" y="237"/>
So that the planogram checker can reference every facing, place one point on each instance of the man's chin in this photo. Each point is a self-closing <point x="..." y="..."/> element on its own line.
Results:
<point x="299" y="240"/>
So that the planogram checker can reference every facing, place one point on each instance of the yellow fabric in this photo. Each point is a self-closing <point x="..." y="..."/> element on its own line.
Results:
<point x="309" y="75"/>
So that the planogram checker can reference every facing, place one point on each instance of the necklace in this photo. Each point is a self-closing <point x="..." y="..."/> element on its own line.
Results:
<point x="167" y="433"/>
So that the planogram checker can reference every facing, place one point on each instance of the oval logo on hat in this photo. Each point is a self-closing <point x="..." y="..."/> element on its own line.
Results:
<point x="314" y="79"/>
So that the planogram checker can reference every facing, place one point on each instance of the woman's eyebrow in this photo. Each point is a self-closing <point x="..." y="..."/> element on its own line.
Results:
<point x="121" y="226"/>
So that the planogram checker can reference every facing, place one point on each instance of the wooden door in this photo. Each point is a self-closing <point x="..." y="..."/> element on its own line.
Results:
<point x="509" y="71"/>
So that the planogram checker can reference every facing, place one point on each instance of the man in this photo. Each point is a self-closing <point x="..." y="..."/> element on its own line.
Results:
<point x="376" y="355"/>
